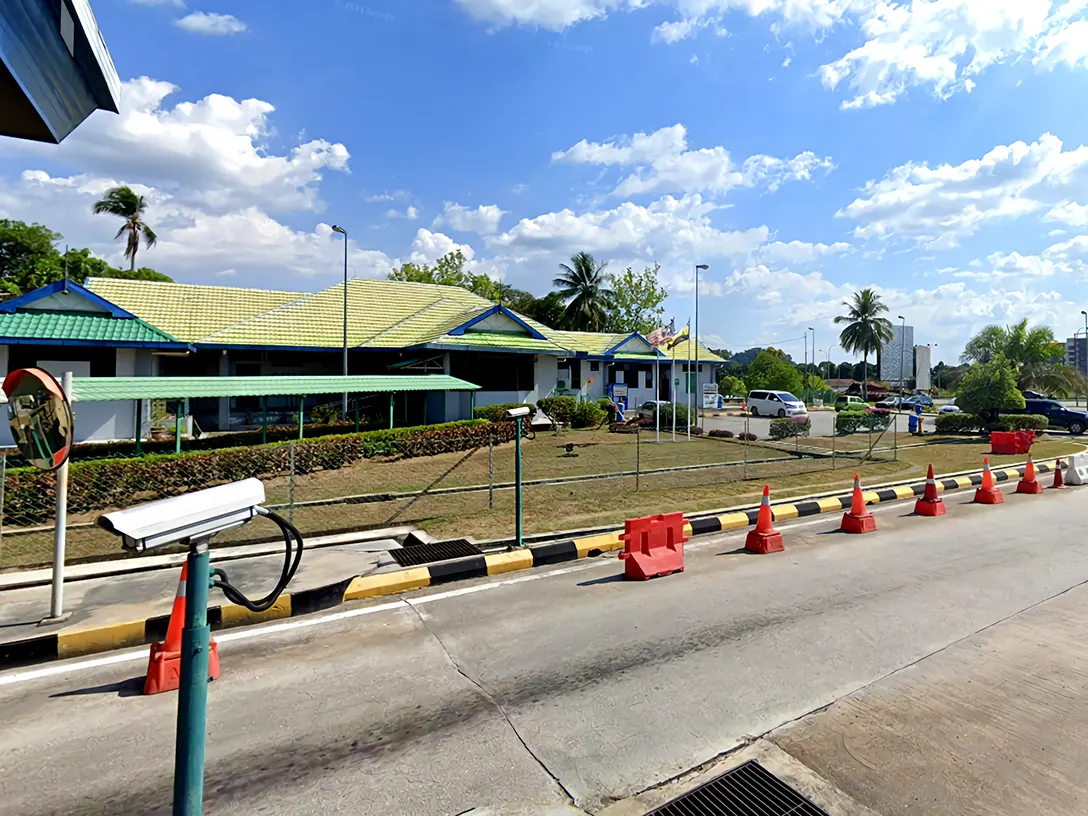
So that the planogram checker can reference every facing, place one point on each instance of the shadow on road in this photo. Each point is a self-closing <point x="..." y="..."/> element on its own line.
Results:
<point x="133" y="687"/>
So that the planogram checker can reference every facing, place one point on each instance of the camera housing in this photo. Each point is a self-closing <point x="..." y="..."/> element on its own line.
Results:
<point x="181" y="519"/>
<point x="514" y="413"/>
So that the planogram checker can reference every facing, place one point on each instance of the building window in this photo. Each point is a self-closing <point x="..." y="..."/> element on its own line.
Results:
<point x="649" y="378"/>
<point x="594" y="365"/>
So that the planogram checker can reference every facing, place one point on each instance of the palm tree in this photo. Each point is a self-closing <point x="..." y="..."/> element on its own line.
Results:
<point x="583" y="285"/>
<point x="123" y="202"/>
<point x="866" y="330"/>
<point x="1037" y="359"/>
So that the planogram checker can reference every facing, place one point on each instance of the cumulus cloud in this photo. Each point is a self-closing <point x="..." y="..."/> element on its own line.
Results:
<point x="938" y="205"/>
<point x="430" y="246"/>
<point x="483" y="219"/>
<point x="211" y="24"/>
<point x="941" y="46"/>
<point x="213" y="152"/>
<point x="800" y="252"/>
<point x="664" y="164"/>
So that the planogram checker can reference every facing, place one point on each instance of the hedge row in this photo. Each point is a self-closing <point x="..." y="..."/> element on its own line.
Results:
<point x="104" y="483"/>
<point x="789" y="428"/>
<point x="969" y="423"/>
<point x="873" y="419"/>
<point x="497" y="413"/>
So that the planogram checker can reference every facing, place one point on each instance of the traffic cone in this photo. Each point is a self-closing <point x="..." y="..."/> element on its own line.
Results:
<point x="859" y="519"/>
<point x="164" y="663"/>
<point x="1059" y="480"/>
<point x="931" y="504"/>
<point x="1029" y="484"/>
<point x="987" y="493"/>
<point x="764" y="538"/>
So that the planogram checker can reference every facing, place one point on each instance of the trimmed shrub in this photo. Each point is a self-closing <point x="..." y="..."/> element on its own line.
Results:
<point x="623" y="428"/>
<point x="586" y="415"/>
<point x="559" y="409"/>
<point x="1020" y="422"/>
<point x="871" y="419"/>
<point x="789" y="428"/>
<point x="106" y="483"/>
<point x="747" y="437"/>
<point x="684" y="415"/>
<point x="718" y="433"/>
<point x="958" y="423"/>
<point x="497" y="413"/>
<point x="325" y="414"/>
<point x="696" y="430"/>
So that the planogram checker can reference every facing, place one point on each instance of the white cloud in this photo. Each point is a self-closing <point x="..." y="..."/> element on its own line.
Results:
<point x="668" y="228"/>
<point x="210" y="24"/>
<point x="410" y="214"/>
<point x="430" y="246"/>
<point x="665" y="165"/>
<point x="799" y="252"/>
<point x="938" y="205"/>
<point x="1069" y="212"/>
<point x="942" y="46"/>
<point x="212" y="152"/>
<point x="483" y="220"/>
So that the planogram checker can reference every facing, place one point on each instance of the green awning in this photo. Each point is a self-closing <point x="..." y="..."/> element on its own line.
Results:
<point x="107" y="389"/>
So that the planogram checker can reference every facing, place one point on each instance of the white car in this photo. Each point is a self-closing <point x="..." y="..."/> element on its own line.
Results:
<point x="950" y="408"/>
<point x="775" y="404"/>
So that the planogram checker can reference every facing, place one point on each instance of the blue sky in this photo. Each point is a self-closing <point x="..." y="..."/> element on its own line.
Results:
<point x="801" y="148"/>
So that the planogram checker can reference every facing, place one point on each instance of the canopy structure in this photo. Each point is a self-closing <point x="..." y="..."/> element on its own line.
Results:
<point x="109" y="389"/>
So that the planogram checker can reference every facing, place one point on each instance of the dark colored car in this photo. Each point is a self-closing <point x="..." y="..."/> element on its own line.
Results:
<point x="1059" y="416"/>
<point x="924" y="400"/>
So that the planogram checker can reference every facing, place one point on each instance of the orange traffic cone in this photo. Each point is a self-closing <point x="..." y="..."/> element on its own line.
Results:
<point x="1059" y="480"/>
<point x="859" y="519"/>
<point x="1029" y="484"/>
<point x="164" y="664"/>
<point x="931" y="504"/>
<point x="987" y="493"/>
<point x="764" y="538"/>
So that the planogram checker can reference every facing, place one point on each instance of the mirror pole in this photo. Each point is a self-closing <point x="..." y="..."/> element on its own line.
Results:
<point x="56" y="606"/>
<point x="193" y="686"/>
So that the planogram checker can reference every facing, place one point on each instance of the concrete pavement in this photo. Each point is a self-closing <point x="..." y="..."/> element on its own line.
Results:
<point x="561" y="686"/>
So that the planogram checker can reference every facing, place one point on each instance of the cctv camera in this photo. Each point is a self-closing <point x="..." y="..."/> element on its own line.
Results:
<point x="198" y="515"/>
<point x="513" y="413"/>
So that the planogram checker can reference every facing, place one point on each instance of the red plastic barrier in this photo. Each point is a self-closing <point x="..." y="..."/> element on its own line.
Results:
<point x="1011" y="443"/>
<point x="660" y="549"/>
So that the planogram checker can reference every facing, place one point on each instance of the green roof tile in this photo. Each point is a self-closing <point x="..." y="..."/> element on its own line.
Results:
<point x="98" y="328"/>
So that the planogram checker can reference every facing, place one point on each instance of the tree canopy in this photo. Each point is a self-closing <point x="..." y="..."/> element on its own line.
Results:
<point x="771" y="370"/>
<point x="866" y="330"/>
<point x="636" y="301"/>
<point x="1036" y="358"/>
<point x="29" y="259"/>
<point x="130" y="207"/>
<point x="987" y="388"/>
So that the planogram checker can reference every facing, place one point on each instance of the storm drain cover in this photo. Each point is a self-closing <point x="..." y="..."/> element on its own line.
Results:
<point x="438" y="551"/>
<point x="747" y="790"/>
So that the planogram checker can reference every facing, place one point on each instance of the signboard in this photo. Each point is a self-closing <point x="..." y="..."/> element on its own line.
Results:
<point x="710" y="395"/>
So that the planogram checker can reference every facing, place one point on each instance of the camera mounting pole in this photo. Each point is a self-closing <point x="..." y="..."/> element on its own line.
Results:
<point x="193" y="690"/>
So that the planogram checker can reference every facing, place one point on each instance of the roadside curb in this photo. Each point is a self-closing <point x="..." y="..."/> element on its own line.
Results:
<point x="62" y="645"/>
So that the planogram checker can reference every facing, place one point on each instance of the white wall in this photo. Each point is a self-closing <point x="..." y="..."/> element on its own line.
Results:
<point x="545" y="376"/>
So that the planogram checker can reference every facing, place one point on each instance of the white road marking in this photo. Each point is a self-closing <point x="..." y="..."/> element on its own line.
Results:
<point x="140" y="653"/>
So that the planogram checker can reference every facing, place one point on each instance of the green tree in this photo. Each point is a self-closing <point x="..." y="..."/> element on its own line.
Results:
<point x="729" y="386"/>
<point x="866" y="331"/>
<point x="987" y="388"/>
<point x="771" y="370"/>
<point x="449" y="270"/>
<point x="124" y="203"/>
<point x="548" y="310"/>
<point x="636" y="301"/>
<point x="28" y="258"/>
<point x="1037" y="359"/>
<point x="583" y="285"/>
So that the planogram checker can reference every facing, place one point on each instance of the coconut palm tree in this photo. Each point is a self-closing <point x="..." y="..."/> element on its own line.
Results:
<point x="1037" y="359"/>
<point x="583" y="285"/>
<point x="124" y="203"/>
<point x="866" y="331"/>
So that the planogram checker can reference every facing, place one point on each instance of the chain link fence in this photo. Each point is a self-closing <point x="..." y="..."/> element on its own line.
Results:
<point x="458" y="481"/>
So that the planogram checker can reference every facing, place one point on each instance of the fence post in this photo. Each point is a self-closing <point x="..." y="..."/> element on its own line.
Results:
<point x="139" y="425"/>
<point x="638" y="454"/>
<point x="301" y="414"/>
<point x="3" y="475"/>
<point x="895" y="437"/>
<point x="291" y="482"/>
<point x="744" y="476"/>
<point x="834" y="434"/>
<point x="490" y="471"/>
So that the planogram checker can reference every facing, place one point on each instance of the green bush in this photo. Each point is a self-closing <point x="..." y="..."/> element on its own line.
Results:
<point x="108" y="483"/>
<point x="325" y="414"/>
<point x="788" y="428"/>
<point x="1020" y="422"/>
<point x="586" y="415"/>
<point x="958" y="423"/>
<point x="684" y="415"/>
<point x="497" y="413"/>
<point x="559" y="409"/>
<point x="848" y="422"/>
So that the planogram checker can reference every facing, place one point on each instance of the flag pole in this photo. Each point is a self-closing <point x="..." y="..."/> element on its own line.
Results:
<point x="657" y="392"/>
<point x="687" y="385"/>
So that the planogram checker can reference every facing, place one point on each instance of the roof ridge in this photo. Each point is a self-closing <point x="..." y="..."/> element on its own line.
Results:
<point x="408" y="319"/>
<point x="195" y="285"/>
<point x="304" y="297"/>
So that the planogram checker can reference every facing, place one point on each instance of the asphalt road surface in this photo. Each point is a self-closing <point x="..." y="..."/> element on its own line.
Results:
<point x="565" y="685"/>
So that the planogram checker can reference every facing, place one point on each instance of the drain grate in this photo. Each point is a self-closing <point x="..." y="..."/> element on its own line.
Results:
<point x="747" y="790"/>
<point x="438" y="551"/>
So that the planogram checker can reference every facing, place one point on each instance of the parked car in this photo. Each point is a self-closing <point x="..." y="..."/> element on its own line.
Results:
<point x="950" y="408"/>
<point x="1072" y="420"/>
<point x="845" y="402"/>
<point x="775" y="403"/>
<point x="924" y="400"/>
<point x="650" y="408"/>
<point x="891" y="403"/>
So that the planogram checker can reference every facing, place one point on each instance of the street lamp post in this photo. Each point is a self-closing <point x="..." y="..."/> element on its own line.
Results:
<point x="902" y="353"/>
<point x="698" y="391"/>
<point x="344" y="232"/>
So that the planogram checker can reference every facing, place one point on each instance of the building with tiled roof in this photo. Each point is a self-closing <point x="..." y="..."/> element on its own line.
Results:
<point x="114" y="327"/>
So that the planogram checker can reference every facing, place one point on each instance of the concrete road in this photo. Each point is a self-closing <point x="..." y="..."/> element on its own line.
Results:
<point x="555" y="686"/>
